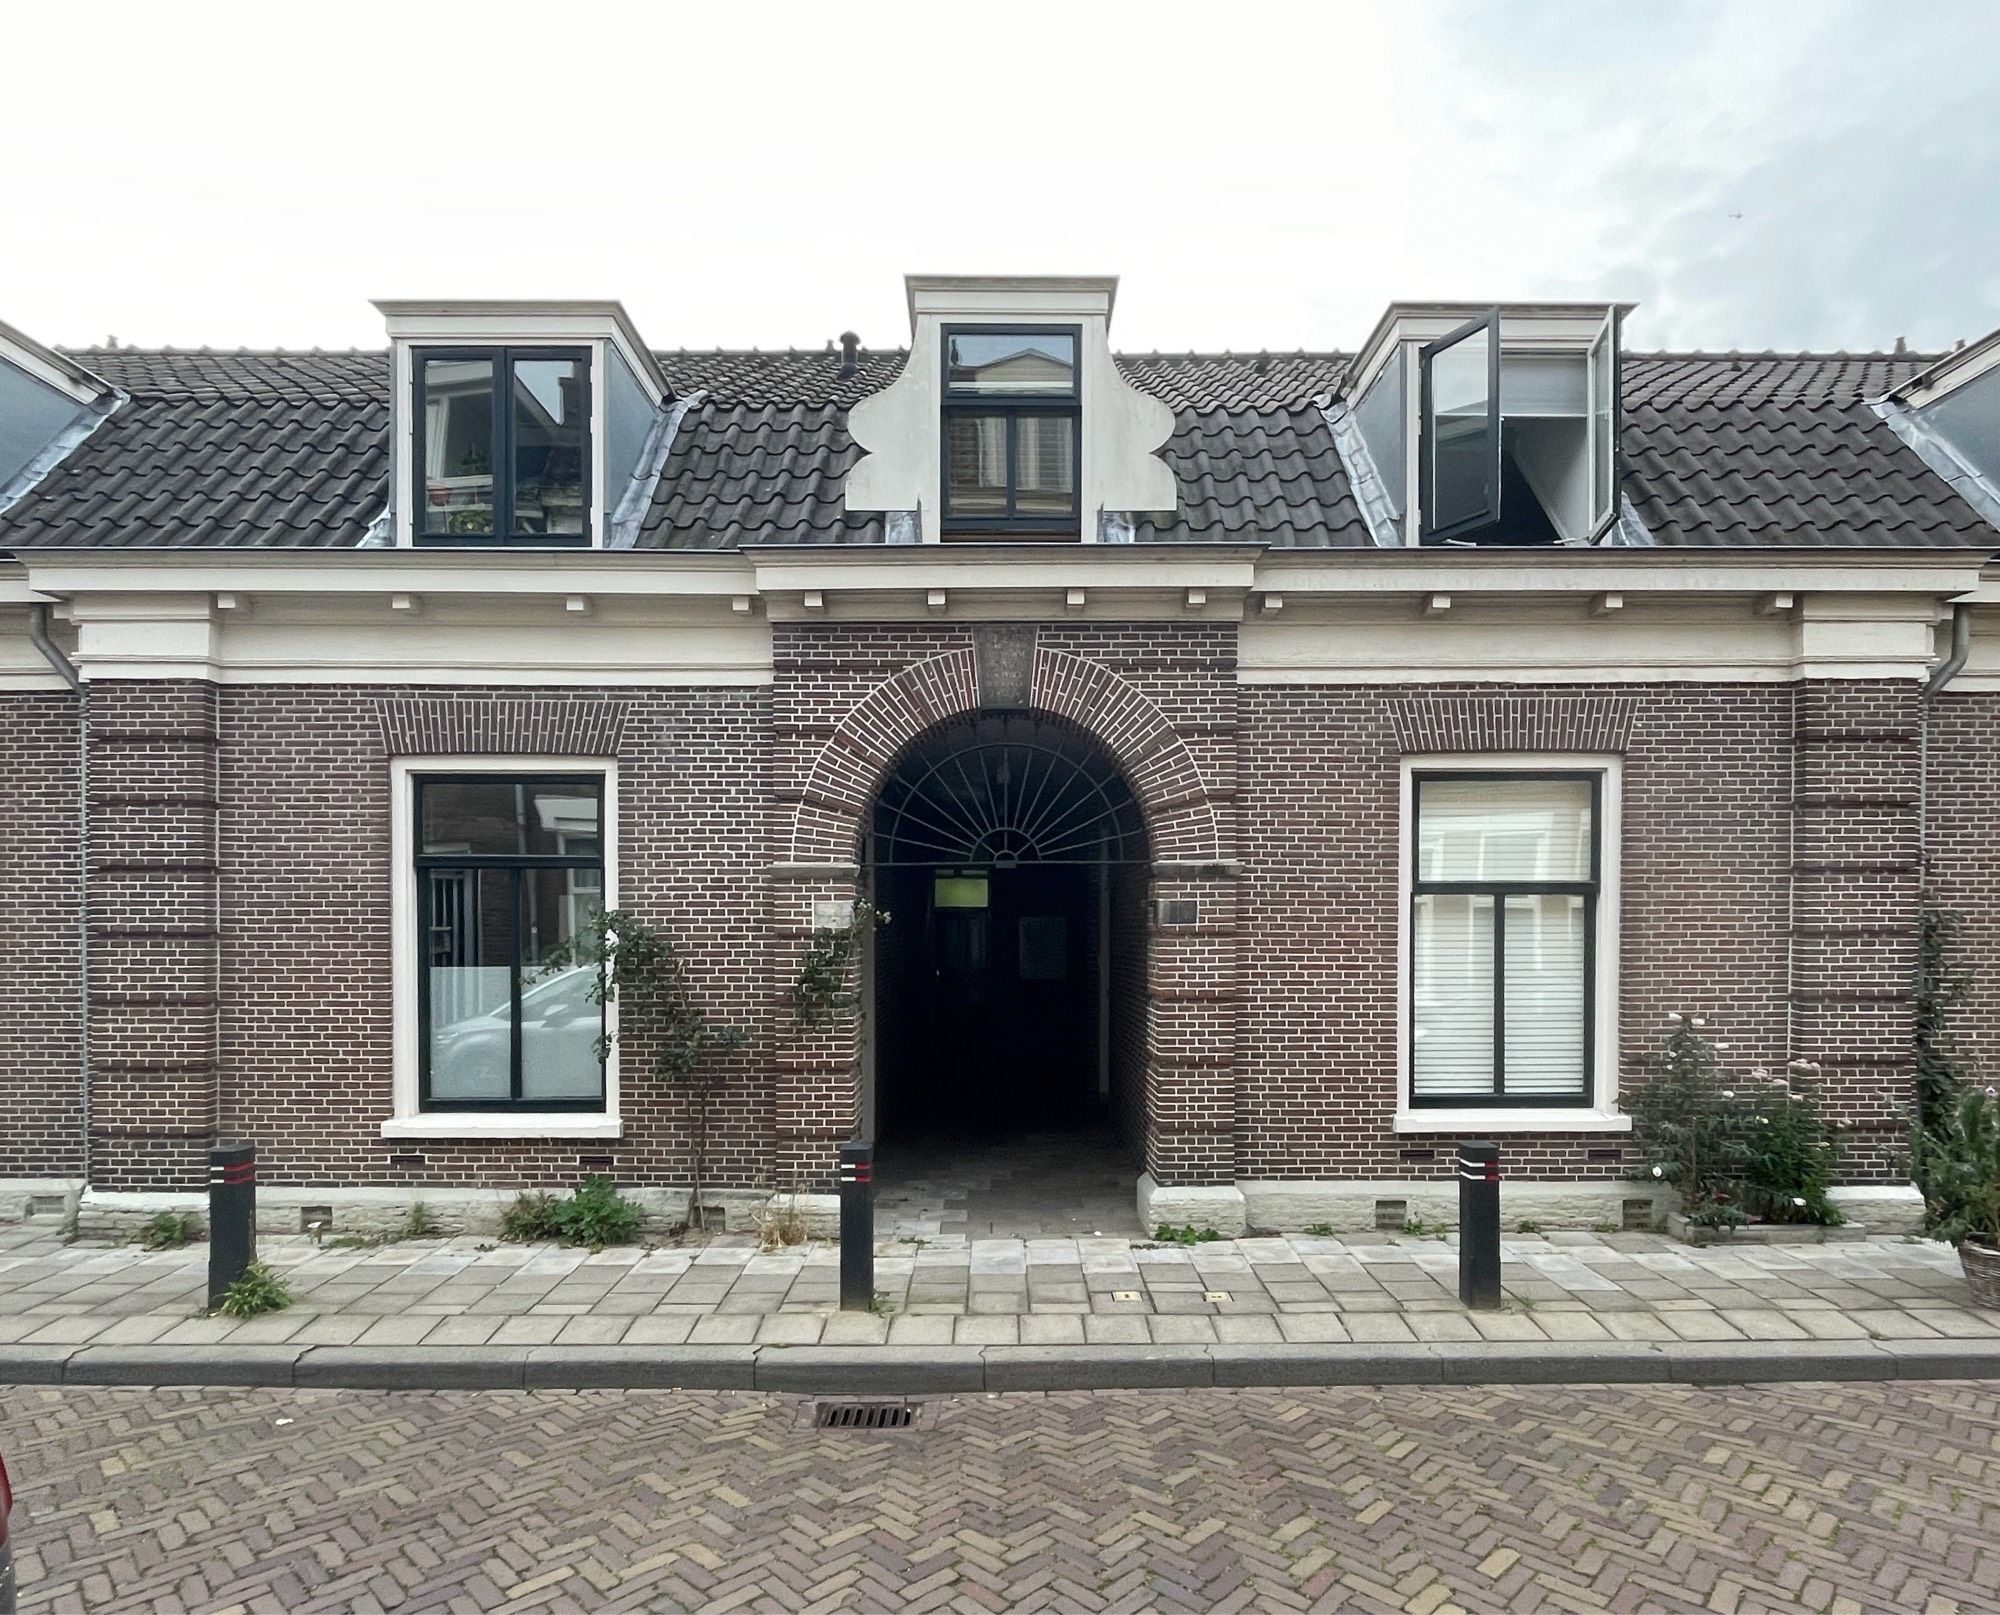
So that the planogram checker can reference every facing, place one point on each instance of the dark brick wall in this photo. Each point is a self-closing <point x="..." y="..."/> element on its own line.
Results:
<point x="1962" y="832"/>
<point x="1768" y="883"/>
<point x="306" y="1031"/>
<point x="1706" y="828"/>
<point x="41" y="1053"/>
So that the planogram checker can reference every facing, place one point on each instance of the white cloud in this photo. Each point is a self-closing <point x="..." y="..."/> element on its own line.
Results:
<point x="1259" y="175"/>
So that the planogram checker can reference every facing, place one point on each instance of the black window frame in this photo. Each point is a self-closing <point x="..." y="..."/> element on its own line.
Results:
<point x="1427" y="530"/>
<point x="504" y="356"/>
<point x="1013" y="407"/>
<point x="1591" y="891"/>
<point x="423" y="864"/>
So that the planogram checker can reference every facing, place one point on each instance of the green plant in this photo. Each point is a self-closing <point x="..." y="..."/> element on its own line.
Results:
<point x="1186" y="1234"/>
<point x="1956" y="1165"/>
<point x="259" y="1290"/>
<point x="640" y="969"/>
<point x="1941" y="985"/>
<point x="169" y="1230"/>
<point x="531" y="1216"/>
<point x="1790" y="1151"/>
<point x="1528" y="1227"/>
<point x="1320" y="1230"/>
<point x="826" y="981"/>
<point x="1688" y="1125"/>
<point x="418" y="1223"/>
<point x="1417" y="1228"/>
<point x="594" y="1214"/>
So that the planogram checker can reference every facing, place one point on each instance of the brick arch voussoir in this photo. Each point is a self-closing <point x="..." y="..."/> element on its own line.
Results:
<point x="870" y="735"/>
<point x="1164" y="775"/>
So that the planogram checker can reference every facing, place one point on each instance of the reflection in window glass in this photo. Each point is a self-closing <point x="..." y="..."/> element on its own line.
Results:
<point x="458" y="446"/>
<point x="1546" y="949"/>
<point x="977" y="452"/>
<point x="469" y="956"/>
<point x="548" y="446"/>
<point x="1463" y="454"/>
<point x="1011" y="363"/>
<point x="508" y="870"/>
<point x="1504" y="830"/>
<point x="493" y="817"/>
<point x="1045" y="465"/>
<point x="560" y="1025"/>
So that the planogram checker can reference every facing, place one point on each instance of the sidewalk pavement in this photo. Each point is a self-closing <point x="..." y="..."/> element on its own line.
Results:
<point x="1062" y="1312"/>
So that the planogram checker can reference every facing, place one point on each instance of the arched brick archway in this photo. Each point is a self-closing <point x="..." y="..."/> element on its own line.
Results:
<point x="852" y="763"/>
<point x="1182" y="773"/>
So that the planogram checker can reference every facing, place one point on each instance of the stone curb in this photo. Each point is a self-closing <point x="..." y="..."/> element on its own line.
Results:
<point x="921" y="1370"/>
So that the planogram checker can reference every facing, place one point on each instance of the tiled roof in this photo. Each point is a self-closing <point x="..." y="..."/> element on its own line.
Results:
<point x="263" y="448"/>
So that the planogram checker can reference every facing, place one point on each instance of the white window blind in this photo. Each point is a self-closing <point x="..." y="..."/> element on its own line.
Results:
<point x="1545" y="954"/>
<point x="1499" y="975"/>
<point x="1453" y="994"/>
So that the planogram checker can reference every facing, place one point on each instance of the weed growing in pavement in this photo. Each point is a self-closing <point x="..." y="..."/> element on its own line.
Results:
<point x="595" y="1214"/>
<point x="259" y="1290"/>
<point x="1319" y="1230"/>
<point x="1186" y="1234"/>
<point x="169" y="1230"/>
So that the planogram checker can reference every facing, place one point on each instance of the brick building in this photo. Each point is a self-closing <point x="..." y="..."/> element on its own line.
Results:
<point x="1274" y="767"/>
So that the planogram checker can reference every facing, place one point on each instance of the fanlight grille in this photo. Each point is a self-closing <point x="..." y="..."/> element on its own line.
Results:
<point x="1007" y="789"/>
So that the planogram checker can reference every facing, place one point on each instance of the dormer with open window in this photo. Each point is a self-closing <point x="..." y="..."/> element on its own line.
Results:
<point x="1497" y="425"/>
<point x="1010" y="421"/>
<point x="518" y="425"/>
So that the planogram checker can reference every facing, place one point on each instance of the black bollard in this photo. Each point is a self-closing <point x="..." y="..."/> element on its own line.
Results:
<point x="1479" y="1225"/>
<point x="857" y="1226"/>
<point x="232" y="1216"/>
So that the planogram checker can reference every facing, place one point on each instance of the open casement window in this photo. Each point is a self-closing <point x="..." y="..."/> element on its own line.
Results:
<point x="1459" y="462"/>
<point x="1012" y="427"/>
<point x="502" y="446"/>
<point x="508" y="868"/>
<point x="1601" y="386"/>
<point x="1503" y="938"/>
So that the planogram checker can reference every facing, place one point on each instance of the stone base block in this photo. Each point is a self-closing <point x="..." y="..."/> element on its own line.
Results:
<point x="1886" y="1208"/>
<point x="1217" y="1206"/>
<point x="1362" y="1206"/>
<point x="54" y="1198"/>
<point x="331" y="1212"/>
<point x="1764" y="1233"/>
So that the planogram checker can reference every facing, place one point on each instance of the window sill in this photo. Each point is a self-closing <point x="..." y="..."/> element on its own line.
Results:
<point x="1524" y="1119"/>
<point x="501" y="1124"/>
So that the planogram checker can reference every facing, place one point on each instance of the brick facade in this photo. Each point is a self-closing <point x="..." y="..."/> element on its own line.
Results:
<point x="41" y="1019"/>
<point x="240" y="897"/>
<point x="1962" y="874"/>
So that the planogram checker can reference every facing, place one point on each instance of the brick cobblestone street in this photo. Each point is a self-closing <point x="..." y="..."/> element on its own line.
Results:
<point x="1420" y="1501"/>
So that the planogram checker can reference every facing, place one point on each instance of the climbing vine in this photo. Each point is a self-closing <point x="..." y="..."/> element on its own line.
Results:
<point x="1941" y="985"/>
<point x="639" y="969"/>
<point x="827" y="983"/>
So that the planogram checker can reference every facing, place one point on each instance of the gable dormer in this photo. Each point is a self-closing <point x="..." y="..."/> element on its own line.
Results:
<point x="1010" y="420"/>
<point x="517" y="424"/>
<point x="1491" y="424"/>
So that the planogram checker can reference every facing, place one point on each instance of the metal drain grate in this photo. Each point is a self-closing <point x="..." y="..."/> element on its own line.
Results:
<point x="864" y="1416"/>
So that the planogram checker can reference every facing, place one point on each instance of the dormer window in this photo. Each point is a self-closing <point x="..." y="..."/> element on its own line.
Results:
<point x="502" y="446"/>
<point x="1476" y="425"/>
<point x="1012" y="415"/>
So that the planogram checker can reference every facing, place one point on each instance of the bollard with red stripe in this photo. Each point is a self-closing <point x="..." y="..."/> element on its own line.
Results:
<point x="1479" y="1225"/>
<point x="232" y="1216"/>
<point x="857" y="1226"/>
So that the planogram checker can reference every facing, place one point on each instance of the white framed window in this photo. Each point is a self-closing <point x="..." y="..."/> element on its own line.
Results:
<point x="495" y="862"/>
<point x="1509" y="944"/>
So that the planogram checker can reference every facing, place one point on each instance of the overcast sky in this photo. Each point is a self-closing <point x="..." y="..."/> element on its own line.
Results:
<point x="1754" y="173"/>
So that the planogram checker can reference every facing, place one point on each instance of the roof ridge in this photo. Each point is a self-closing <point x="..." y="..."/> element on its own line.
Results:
<point x="1913" y="355"/>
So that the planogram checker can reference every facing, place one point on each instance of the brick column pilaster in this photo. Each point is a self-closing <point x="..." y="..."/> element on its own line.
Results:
<point x="1193" y="1009"/>
<point x="816" y="1093"/>
<point x="1855" y="900"/>
<point x="154" y="919"/>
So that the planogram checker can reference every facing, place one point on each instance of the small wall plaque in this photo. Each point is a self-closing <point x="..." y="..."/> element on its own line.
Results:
<point x="1179" y="911"/>
<point x="832" y="913"/>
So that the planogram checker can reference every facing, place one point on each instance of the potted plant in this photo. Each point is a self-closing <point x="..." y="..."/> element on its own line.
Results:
<point x="1955" y="1161"/>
